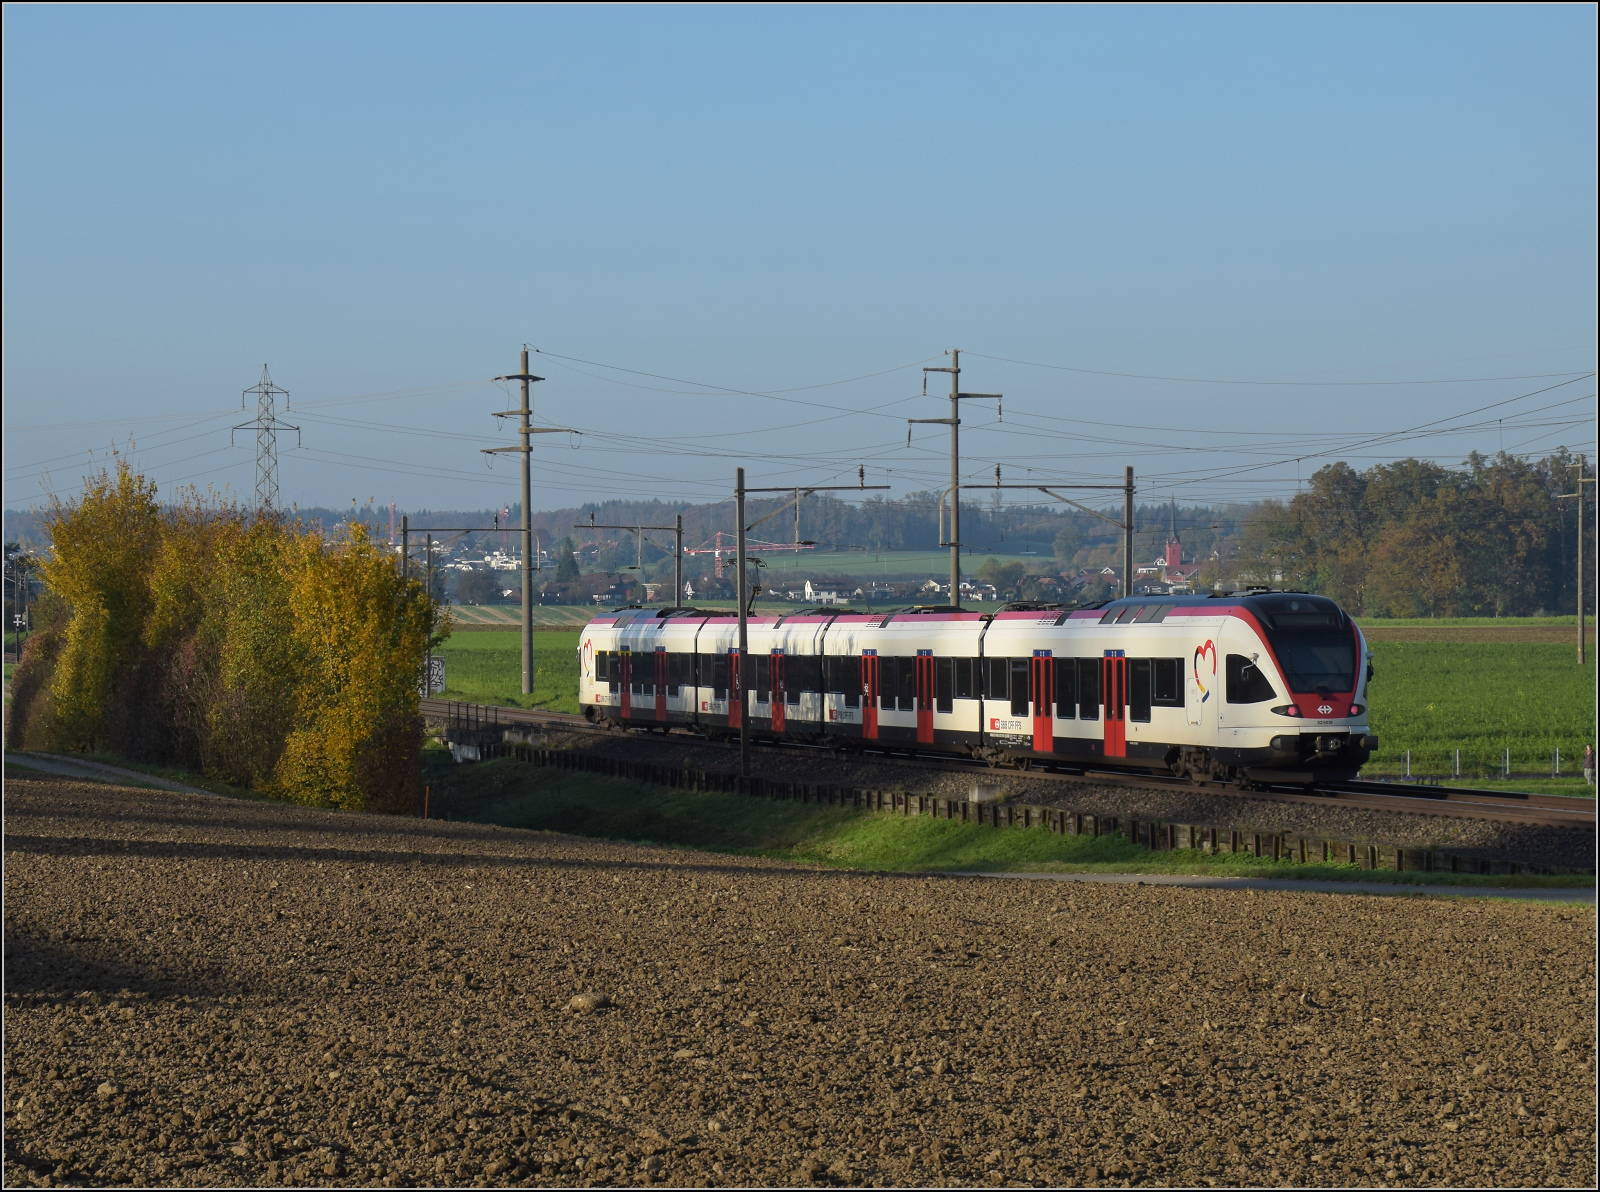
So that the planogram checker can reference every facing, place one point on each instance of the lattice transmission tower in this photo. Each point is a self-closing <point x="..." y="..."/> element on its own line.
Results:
<point x="267" y="424"/>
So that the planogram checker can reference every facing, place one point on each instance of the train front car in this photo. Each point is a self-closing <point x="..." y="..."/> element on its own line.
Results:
<point x="1293" y="672"/>
<point x="1258" y="689"/>
<point x="636" y="667"/>
<point x="600" y="669"/>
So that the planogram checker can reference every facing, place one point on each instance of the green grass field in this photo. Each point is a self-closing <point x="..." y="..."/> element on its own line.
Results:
<point x="1481" y="698"/>
<point x="515" y="795"/>
<point x="509" y="616"/>
<point x="1472" y="623"/>
<point x="485" y="667"/>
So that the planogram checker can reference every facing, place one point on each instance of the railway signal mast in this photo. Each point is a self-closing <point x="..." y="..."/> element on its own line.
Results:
<point x="1581" y="467"/>
<point x="954" y="423"/>
<point x="525" y="428"/>
<point x="677" y="556"/>
<point x="742" y="586"/>
<point x="1125" y="524"/>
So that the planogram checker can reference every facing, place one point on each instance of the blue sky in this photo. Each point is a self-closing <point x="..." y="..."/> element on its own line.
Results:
<point x="384" y="203"/>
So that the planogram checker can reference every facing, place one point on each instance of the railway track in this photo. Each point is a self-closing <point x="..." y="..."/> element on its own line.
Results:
<point x="1416" y="799"/>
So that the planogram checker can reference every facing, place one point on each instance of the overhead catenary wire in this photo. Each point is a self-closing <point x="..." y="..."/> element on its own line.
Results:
<point x="1307" y="384"/>
<point x="1253" y="451"/>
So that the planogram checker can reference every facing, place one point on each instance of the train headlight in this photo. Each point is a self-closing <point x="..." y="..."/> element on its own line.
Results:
<point x="1357" y="709"/>
<point x="1287" y="710"/>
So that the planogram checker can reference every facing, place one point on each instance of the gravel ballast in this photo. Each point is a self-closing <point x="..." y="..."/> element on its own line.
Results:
<point x="202" y="991"/>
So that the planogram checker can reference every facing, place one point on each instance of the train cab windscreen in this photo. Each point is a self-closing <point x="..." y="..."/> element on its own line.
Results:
<point x="1313" y="642"/>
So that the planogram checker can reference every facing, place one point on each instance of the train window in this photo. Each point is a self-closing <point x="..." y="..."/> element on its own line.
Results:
<point x="1139" y="689"/>
<point x="1246" y="683"/>
<point x="602" y="666"/>
<point x="1088" y="689"/>
<point x="1166" y="682"/>
<point x="1122" y="615"/>
<point x="844" y="674"/>
<point x="763" y="678"/>
<point x="719" y="675"/>
<point x="966" y="688"/>
<point x="674" y="666"/>
<point x="886" y="681"/>
<point x="1066" y="688"/>
<point x="907" y="686"/>
<point x="1019" y="686"/>
<point x="804" y="673"/>
<point x="996" y="679"/>
<point x="944" y="684"/>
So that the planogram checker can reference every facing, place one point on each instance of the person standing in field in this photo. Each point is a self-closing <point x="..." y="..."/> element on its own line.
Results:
<point x="1588" y="764"/>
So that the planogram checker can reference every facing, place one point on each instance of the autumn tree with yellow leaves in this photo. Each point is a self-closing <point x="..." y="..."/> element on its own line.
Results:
<point x="232" y="642"/>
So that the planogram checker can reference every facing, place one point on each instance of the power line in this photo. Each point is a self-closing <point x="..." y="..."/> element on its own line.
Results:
<point x="1096" y="372"/>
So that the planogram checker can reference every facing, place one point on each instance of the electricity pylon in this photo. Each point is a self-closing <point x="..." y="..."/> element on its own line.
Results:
<point x="267" y="424"/>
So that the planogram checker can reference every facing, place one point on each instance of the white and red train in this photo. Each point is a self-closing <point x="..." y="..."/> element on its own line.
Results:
<point x="1268" y="687"/>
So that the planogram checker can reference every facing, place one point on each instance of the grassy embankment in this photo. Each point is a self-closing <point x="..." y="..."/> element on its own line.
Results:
<point x="514" y="795"/>
<point x="1431" y="697"/>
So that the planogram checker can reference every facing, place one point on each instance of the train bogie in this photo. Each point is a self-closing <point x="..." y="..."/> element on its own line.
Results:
<point x="1267" y="688"/>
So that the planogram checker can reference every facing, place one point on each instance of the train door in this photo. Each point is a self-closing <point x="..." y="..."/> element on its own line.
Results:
<point x="661" y="683"/>
<point x="1041" y="681"/>
<point x="625" y="658"/>
<point x="1114" y="684"/>
<point x="869" y="694"/>
<point x="735" y="690"/>
<point x="924" y="692"/>
<point x="776" y="694"/>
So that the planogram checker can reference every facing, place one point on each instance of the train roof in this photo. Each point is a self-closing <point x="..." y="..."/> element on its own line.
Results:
<point x="1268" y="603"/>
<point x="1260" y="601"/>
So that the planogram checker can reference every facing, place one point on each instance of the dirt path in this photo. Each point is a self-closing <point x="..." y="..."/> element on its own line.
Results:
<point x="64" y="766"/>
<point x="204" y="991"/>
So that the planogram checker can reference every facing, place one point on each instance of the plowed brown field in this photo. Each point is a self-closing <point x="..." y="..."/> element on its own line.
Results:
<point x="201" y="991"/>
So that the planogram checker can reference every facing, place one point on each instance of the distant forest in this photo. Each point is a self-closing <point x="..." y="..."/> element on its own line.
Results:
<point x="1413" y="539"/>
<point x="1410" y="538"/>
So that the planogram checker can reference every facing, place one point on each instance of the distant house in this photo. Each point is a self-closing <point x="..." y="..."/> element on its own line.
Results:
<point x="815" y="595"/>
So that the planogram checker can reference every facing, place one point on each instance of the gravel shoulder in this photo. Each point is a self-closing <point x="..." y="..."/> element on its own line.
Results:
<point x="1203" y="882"/>
<point x="206" y="992"/>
